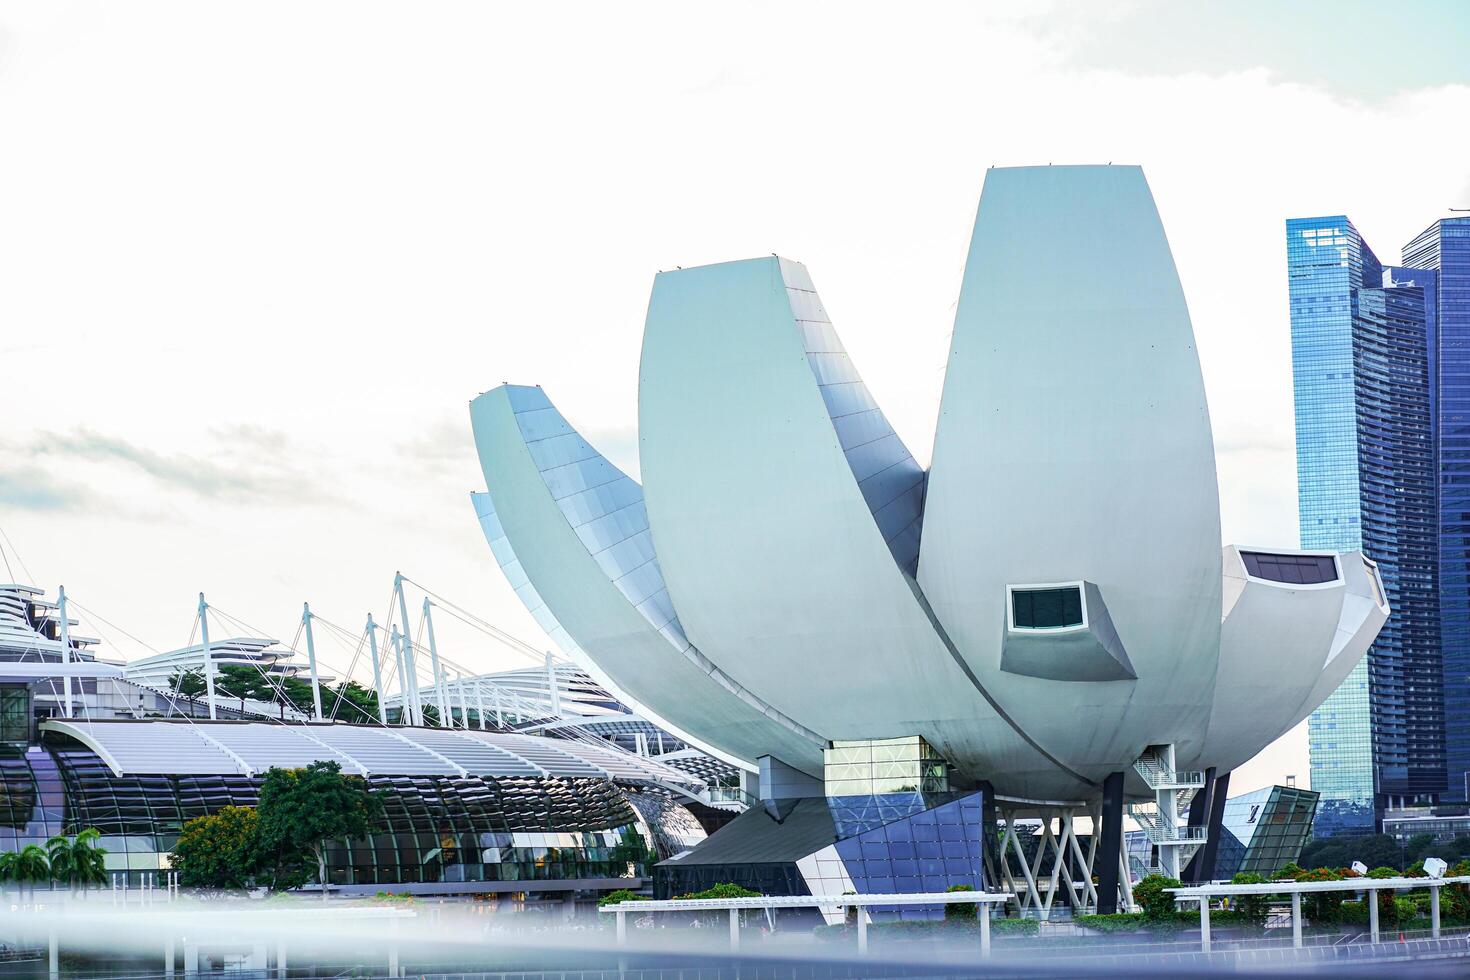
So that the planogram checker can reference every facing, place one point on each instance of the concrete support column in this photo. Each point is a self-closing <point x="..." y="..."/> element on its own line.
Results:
<point x="862" y="924"/>
<point x="1296" y="919"/>
<point x="1434" y="912"/>
<point x="1218" y="792"/>
<point x="1110" y="845"/>
<point x="1204" y="923"/>
<point x="1372" y="915"/>
<point x="622" y="927"/>
<point x="53" y="955"/>
<point x="983" y="910"/>
<point x="281" y="960"/>
<point x="168" y="959"/>
<point x="734" y="930"/>
<point x="1200" y="809"/>
<point x="191" y="960"/>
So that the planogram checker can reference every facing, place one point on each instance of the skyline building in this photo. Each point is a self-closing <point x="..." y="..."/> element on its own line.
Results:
<point x="1369" y="356"/>
<point x="1444" y="248"/>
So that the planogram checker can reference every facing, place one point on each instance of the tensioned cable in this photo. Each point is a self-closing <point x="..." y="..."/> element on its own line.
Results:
<point x="515" y="643"/>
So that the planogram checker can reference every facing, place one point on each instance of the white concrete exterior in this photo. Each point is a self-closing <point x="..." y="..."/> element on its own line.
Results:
<point x="1073" y="448"/>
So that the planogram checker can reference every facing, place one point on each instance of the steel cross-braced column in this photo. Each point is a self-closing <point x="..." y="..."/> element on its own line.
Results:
<point x="65" y="645"/>
<point x="316" y="688"/>
<point x="411" y="677"/>
<point x="441" y="697"/>
<point x="372" y="634"/>
<point x="208" y="656"/>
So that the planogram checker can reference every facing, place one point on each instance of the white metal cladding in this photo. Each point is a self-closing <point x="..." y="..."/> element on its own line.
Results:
<point x="510" y="566"/>
<point x="615" y="610"/>
<point x="284" y="746"/>
<point x="770" y="550"/>
<point x="476" y="756"/>
<point x="379" y="750"/>
<point x="1074" y="442"/>
<point x="544" y="752"/>
<point x="149" y="747"/>
<point x="250" y="748"/>
<point x="891" y="480"/>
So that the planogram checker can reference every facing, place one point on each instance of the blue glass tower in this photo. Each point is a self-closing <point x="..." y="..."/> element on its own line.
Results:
<point x="1445" y="248"/>
<point x="1363" y="351"/>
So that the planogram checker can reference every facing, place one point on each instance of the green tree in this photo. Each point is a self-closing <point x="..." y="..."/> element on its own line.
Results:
<point x="353" y="702"/>
<point x="220" y="850"/>
<point x="1156" y="903"/>
<point x="301" y="810"/>
<point x="78" y="860"/>
<point x="188" y="683"/>
<point x="25" y="867"/>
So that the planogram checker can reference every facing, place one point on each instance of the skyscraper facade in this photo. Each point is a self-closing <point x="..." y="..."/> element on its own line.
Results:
<point x="1363" y="360"/>
<point x="1444" y="247"/>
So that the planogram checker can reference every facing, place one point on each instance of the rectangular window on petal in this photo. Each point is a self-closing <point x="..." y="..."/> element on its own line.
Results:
<point x="1057" y="608"/>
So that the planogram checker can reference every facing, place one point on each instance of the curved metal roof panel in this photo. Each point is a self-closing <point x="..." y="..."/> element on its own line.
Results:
<point x="249" y="748"/>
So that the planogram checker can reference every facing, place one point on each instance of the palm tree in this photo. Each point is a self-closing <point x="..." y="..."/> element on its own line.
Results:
<point x="88" y="865"/>
<point x="77" y="860"/>
<point x="25" y="867"/>
<point x="59" y="854"/>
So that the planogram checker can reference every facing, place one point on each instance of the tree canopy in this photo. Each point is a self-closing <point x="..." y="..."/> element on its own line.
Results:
<point x="220" y="850"/>
<point x="348" y="700"/>
<point x="301" y="810"/>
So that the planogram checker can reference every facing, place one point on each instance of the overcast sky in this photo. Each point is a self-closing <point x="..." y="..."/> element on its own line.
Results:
<point x="255" y="259"/>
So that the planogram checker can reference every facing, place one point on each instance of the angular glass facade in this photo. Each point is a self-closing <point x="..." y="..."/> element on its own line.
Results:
<point x="1444" y="247"/>
<point x="1363" y="366"/>
<point x="433" y="828"/>
<point x="889" y="765"/>
<point x="1264" y="830"/>
<point x="901" y="843"/>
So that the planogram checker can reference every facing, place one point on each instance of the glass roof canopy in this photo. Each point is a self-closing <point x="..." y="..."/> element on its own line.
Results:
<point x="194" y="747"/>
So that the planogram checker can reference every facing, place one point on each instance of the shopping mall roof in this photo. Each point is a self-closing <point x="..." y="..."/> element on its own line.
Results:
<point x="196" y="747"/>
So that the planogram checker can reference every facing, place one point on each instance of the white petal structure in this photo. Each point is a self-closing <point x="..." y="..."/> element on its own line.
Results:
<point x="1266" y="678"/>
<point x="563" y="517"/>
<point x="1043" y="605"/>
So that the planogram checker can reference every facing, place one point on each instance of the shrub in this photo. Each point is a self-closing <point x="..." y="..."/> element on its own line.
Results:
<point x="1120" y="922"/>
<point x="1321" y="907"/>
<point x="723" y="890"/>
<point x="1014" y="927"/>
<point x="1353" y="913"/>
<point x="1252" y="908"/>
<point x="1150" y="895"/>
<point x="621" y="895"/>
<point x="1291" y="871"/>
<point x="965" y="911"/>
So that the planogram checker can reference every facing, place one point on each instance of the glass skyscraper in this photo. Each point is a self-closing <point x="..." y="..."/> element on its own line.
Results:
<point x="1363" y="360"/>
<point x="1444" y="247"/>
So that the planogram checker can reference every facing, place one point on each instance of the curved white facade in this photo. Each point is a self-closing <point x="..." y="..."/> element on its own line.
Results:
<point x="1042" y="606"/>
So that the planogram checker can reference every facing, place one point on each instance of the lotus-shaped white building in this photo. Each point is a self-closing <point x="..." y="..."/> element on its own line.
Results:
<point x="1047" y="605"/>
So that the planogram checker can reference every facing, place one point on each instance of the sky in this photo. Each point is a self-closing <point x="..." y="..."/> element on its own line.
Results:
<point x="255" y="259"/>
